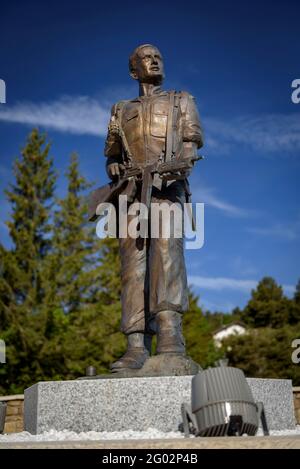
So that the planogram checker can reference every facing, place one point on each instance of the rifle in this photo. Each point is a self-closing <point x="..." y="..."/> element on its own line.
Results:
<point x="171" y="170"/>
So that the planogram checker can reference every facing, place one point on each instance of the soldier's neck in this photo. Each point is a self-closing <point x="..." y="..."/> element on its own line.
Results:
<point x="147" y="89"/>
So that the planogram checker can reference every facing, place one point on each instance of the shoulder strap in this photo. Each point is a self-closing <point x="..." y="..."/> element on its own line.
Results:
<point x="174" y="98"/>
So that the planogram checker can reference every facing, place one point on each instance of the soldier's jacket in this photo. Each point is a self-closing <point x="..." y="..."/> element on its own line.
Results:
<point x="144" y="121"/>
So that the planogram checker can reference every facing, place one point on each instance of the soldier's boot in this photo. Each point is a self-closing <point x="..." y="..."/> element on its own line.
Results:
<point x="169" y="333"/>
<point x="136" y="353"/>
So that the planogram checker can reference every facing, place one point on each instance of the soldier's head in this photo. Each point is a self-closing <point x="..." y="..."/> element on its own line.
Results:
<point x="146" y="64"/>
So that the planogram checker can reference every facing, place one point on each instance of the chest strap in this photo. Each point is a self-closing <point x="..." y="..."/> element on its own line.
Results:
<point x="171" y="140"/>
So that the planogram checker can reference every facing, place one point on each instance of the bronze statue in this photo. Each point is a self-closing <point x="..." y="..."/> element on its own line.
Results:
<point x="158" y="127"/>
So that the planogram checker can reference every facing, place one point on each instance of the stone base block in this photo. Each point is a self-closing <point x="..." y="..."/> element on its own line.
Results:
<point x="135" y="403"/>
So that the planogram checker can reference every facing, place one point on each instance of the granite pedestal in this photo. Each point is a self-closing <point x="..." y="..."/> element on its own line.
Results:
<point x="135" y="403"/>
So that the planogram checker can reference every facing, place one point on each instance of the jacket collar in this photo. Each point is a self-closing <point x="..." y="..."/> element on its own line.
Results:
<point x="156" y="91"/>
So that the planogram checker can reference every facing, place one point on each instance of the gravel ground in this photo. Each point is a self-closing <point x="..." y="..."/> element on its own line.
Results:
<point x="151" y="433"/>
<point x="52" y="435"/>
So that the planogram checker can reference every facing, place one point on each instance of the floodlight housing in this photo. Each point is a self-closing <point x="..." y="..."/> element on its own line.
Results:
<point x="222" y="404"/>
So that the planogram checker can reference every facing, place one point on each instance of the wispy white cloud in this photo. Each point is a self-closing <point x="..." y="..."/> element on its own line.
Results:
<point x="87" y="115"/>
<point x="214" y="201"/>
<point x="77" y="115"/>
<point x="222" y="283"/>
<point x="225" y="283"/>
<point x="224" y="306"/>
<point x="265" y="133"/>
<point x="208" y="196"/>
<point x="243" y="267"/>
<point x="287" y="231"/>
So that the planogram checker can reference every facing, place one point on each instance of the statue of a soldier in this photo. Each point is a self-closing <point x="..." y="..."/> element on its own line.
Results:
<point x="156" y="126"/>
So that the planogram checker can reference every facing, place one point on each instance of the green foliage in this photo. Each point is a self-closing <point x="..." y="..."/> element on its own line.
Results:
<point x="266" y="349"/>
<point x="23" y="280"/>
<point x="265" y="352"/>
<point x="60" y="292"/>
<point x="297" y="294"/>
<point x="268" y="306"/>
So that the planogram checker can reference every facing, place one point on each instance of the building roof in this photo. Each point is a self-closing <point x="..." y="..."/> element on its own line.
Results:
<point x="227" y="326"/>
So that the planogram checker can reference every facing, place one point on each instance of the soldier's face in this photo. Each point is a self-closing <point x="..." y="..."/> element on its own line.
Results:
<point x="149" y="66"/>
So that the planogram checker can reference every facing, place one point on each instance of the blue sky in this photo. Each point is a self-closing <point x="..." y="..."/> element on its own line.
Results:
<point x="65" y="63"/>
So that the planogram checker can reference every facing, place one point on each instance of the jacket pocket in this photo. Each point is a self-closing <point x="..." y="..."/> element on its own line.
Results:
<point x="131" y="125"/>
<point x="159" y="119"/>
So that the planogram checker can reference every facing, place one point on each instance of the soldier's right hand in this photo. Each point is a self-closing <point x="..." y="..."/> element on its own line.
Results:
<point x="114" y="170"/>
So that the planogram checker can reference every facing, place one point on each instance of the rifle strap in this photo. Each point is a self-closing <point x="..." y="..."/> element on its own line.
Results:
<point x="171" y="141"/>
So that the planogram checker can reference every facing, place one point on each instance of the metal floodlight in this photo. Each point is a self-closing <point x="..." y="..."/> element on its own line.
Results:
<point x="222" y="405"/>
<point x="2" y="416"/>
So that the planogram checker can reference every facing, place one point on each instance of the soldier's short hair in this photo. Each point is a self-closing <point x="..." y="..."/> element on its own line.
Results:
<point x="134" y="55"/>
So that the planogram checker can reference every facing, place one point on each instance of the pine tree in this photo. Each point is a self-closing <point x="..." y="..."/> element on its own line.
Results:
<point x="297" y="293"/>
<point x="83" y="328"/>
<point x="68" y="270"/>
<point x="22" y="287"/>
<point x="71" y="257"/>
<point x="294" y="312"/>
<point x="267" y="306"/>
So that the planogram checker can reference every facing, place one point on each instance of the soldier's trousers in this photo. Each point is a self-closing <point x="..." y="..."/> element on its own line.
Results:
<point x="153" y="272"/>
